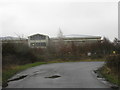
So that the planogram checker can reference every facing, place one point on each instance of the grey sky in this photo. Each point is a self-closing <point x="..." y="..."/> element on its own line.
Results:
<point x="73" y="17"/>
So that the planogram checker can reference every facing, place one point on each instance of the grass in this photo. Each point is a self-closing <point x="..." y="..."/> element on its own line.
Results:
<point x="13" y="69"/>
<point x="6" y="74"/>
<point x="109" y="75"/>
<point x="83" y="60"/>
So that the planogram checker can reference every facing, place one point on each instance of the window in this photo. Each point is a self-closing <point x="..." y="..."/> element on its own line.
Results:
<point x="37" y="37"/>
<point x="31" y="38"/>
<point x="38" y="44"/>
<point x="43" y="44"/>
<point x="42" y="37"/>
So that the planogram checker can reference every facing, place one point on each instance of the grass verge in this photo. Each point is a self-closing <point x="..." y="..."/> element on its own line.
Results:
<point x="8" y="73"/>
<point x="108" y="74"/>
<point x="82" y="60"/>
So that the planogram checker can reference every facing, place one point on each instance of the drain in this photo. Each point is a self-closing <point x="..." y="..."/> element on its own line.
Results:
<point x="95" y="71"/>
<point x="18" y="78"/>
<point x="98" y="74"/>
<point x="54" y="76"/>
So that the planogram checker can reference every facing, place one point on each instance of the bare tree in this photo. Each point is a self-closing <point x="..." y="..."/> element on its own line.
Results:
<point x="60" y="34"/>
<point x="60" y="42"/>
<point x="60" y="38"/>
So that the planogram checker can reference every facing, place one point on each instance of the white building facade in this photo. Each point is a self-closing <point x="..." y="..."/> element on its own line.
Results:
<point x="38" y="41"/>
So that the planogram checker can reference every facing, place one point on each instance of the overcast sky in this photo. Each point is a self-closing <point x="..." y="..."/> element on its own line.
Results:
<point x="27" y="17"/>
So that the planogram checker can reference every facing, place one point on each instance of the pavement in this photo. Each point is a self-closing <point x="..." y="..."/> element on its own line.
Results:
<point x="59" y="75"/>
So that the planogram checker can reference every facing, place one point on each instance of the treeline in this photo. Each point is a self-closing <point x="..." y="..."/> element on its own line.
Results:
<point x="19" y="53"/>
<point x="73" y="51"/>
<point x="113" y="62"/>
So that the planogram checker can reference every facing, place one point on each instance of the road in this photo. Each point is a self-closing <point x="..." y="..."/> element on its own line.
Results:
<point x="68" y="75"/>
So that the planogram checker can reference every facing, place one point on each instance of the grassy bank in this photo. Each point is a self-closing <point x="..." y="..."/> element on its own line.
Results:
<point x="13" y="69"/>
<point x="108" y="74"/>
<point x="82" y="60"/>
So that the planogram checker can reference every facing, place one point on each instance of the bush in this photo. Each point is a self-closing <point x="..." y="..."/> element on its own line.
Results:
<point x="113" y="62"/>
<point x="17" y="53"/>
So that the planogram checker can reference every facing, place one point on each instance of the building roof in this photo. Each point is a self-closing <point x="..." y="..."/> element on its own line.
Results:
<point x="80" y="36"/>
<point x="77" y="37"/>
<point x="38" y="34"/>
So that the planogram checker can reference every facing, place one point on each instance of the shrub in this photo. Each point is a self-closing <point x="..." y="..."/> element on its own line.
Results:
<point x="17" y="53"/>
<point x="113" y="62"/>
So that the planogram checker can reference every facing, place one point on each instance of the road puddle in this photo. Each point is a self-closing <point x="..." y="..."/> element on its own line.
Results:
<point x="54" y="76"/>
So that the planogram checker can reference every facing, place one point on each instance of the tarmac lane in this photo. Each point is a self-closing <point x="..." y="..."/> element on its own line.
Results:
<point x="59" y="75"/>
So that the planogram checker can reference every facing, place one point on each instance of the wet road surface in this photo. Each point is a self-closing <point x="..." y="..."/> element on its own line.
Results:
<point x="59" y="75"/>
